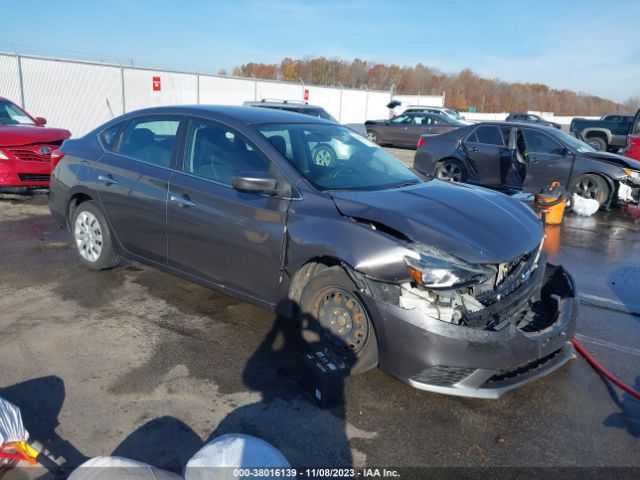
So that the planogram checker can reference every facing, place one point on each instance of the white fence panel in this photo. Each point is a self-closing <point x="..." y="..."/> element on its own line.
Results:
<point x="277" y="90"/>
<point x="73" y="95"/>
<point x="225" y="91"/>
<point x="175" y="88"/>
<point x="354" y="106"/>
<point x="426" y="100"/>
<point x="327" y="98"/>
<point x="377" y="108"/>
<point x="9" y="79"/>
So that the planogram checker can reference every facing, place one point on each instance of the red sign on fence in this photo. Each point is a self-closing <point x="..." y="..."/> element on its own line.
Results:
<point x="306" y="94"/>
<point x="156" y="84"/>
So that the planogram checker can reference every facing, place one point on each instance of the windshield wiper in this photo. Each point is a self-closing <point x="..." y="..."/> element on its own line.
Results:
<point x="405" y="184"/>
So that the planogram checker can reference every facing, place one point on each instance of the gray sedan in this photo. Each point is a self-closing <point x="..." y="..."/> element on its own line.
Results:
<point x="442" y="285"/>
<point x="405" y="130"/>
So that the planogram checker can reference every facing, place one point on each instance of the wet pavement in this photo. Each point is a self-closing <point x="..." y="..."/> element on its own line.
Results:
<point x="138" y="363"/>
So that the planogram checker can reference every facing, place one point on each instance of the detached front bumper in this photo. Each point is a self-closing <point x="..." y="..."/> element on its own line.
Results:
<point x="433" y="355"/>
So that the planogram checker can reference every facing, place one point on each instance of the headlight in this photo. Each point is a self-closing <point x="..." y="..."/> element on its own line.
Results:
<point x="439" y="270"/>
<point x="633" y="175"/>
<point x="3" y="156"/>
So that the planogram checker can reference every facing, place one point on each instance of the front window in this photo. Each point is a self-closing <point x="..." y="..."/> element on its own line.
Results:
<point x="574" y="143"/>
<point x="11" y="114"/>
<point x="333" y="157"/>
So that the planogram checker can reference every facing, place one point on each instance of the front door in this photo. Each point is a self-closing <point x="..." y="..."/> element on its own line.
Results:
<point x="220" y="234"/>
<point x="547" y="161"/>
<point x="132" y="184"/>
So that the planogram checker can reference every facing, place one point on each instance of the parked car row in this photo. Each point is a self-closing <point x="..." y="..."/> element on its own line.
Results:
<point x="526" y="156"/>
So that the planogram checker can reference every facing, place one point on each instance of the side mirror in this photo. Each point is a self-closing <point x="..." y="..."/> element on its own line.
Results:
<point x="40" y="121"/>
<point x="254" y="181"/>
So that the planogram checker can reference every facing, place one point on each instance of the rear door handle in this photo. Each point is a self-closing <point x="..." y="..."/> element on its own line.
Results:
<point x="183" y="201"/>
<point x="473" y="149"/>
<point x="107" y="180"/>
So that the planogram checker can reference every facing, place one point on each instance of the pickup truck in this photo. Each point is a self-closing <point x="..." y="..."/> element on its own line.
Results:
<point x="632" y="150"/>
<point x="606" y="134"/>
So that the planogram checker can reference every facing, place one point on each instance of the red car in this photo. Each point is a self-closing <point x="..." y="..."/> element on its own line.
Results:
<point x="25" y="149"/>
<point x="632" y="150"/>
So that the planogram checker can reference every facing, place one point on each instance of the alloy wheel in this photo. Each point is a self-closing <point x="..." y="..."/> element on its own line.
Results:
<point x="372" y="136"/>
<point x="587" y="188"/>
<point x="450" y="171"/>
<point x="323" y="157"/>
<point x="88" y="236"/>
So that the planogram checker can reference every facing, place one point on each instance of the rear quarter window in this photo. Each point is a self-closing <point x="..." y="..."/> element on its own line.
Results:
<point x="110" y="136"/>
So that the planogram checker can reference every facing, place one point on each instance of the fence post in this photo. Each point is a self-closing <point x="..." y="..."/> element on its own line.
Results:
<point x="255" y="88"/>
<point x="20" y="80"/>
<point x="303" y="87"/>
<point x="198" y="88"/>
<point x="366" y="105"/>
<point x="124" y="104"/>
<point x="340" y="114"/>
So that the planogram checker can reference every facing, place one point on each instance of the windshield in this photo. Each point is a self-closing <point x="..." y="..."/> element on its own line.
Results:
<point x="333" y="157"/>
<point x="574" y="143"/>
<point x="10" y="114"/>
<point x="320" y="113"/>
<point x="453" y="113"/>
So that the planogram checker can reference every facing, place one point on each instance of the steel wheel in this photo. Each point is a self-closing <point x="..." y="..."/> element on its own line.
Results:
<point x="88" y="236"/>
<point x="450" y="171"/>
<point x="344" y="318"/>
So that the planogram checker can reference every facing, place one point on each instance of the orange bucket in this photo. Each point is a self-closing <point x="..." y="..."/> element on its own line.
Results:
<point x="550" y="204"/>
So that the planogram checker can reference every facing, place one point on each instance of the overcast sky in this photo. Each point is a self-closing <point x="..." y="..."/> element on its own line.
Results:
<point x="587" y="46"/>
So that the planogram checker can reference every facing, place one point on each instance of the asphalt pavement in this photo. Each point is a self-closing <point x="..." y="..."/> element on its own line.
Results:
<point x="144" y="365"/>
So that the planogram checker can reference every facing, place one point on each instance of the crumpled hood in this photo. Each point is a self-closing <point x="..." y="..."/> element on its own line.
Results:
<point x="472" y="223"/>
<point x="15" y="135"/>
<point x="611" y="158"/>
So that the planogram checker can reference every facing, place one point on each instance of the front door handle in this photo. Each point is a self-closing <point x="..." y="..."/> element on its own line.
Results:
<point x="107" y="180"/>
<point x="473" y="149"/>
<point x="183" y="201"/>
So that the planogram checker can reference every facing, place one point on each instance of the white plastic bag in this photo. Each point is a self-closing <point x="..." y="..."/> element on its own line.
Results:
<point x="584" y="206"/>
<point x="11" y="426"/>
<point x="227" y="456"/>
<point x="108" y="468"/>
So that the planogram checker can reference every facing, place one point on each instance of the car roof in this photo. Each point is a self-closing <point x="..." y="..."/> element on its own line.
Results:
<point x="280" y="104"/>
<point x="248" y="115"/>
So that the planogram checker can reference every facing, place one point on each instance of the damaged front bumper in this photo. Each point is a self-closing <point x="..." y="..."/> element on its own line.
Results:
<point x="530" y="340"/>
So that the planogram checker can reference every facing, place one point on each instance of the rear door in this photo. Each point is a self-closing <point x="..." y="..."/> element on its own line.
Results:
<point x="485" y="148"/>
<point x="132" y="183"/>
<point x="547" y="161"/>
<point x="215" y="232"/>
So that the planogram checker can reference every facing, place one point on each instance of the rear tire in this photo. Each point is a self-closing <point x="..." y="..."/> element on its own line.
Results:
<point x="450" y="170"/>
<point x="597" y="143"/>
<point x="592" y="186"/>
<point x="93" y="238"/>
<point x="334" y="317"/>
<point x="372" y="135"/>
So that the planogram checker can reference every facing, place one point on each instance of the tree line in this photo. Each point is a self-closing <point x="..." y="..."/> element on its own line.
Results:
<point x="462" y="90"/>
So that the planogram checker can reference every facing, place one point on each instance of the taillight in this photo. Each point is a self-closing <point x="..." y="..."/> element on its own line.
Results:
<point x="421" y="141"/>
<point x="56" y="156"/>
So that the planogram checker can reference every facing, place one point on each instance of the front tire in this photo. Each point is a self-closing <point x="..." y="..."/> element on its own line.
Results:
<point x="592" y="186"/>
<point x="93" y="238"/>
<point x="450" y="170"/>
<point x="335" y="317"/>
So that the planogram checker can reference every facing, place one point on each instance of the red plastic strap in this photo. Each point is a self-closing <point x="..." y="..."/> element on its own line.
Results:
<point x="595" y="364"/>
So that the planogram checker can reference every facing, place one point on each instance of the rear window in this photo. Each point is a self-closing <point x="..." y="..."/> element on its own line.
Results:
<point x="487" y="134"/>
